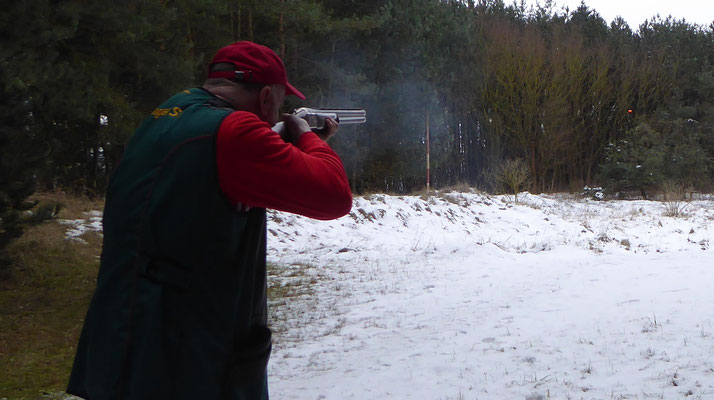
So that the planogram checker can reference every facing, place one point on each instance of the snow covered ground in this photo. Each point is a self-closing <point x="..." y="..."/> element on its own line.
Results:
<point x="467" y="296"/>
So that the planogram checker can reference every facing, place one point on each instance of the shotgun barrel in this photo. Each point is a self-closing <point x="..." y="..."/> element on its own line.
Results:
<point x="316" y="117"/>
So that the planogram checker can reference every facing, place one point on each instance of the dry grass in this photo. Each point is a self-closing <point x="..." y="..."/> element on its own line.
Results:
<point x="675" y="199"/>
<point x="289" y="289"/>
<point x="459" y="187"/>
<point x="43" y="302"/>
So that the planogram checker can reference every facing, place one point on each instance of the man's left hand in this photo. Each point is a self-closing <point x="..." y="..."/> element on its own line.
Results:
<point x="331" y="127"/>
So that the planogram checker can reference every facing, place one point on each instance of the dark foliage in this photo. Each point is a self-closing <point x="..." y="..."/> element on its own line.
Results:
<point x="556" y="89"/>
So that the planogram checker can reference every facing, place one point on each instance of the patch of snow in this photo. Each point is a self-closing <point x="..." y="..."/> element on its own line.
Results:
<point x="78" y="227"/>
<point x="467" y="296"/>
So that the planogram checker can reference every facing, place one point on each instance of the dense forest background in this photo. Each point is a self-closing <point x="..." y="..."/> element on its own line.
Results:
<point x="566" y="95"/>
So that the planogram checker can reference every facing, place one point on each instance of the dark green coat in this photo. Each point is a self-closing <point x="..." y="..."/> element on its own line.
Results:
<point x="180" y="306"/>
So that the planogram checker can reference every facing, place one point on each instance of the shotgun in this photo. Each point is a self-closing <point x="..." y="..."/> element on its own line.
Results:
<point x="316" y="117"/>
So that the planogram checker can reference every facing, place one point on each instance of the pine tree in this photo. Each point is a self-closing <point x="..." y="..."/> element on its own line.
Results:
<point x="21" y="155"/>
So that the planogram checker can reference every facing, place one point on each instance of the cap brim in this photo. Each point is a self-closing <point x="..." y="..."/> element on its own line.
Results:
<point x="291" y="90"/>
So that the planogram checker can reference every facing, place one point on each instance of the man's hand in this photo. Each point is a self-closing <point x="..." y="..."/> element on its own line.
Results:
<point x="331" y="127"/>
<point x="294" y="128"/>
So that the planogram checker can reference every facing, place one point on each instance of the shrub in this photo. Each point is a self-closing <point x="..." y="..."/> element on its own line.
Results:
<point x="635" y="161"/>
<point x="674" y="198"/>
<point x="513" y="176"/>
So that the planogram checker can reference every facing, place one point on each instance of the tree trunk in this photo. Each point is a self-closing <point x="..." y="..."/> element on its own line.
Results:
<point x="250" y="25"/>
<point x="534" y="165"/>
<point x="233" y="25"/>
<point x="91" y="149"/>
<point x="281" y="30"/>
<point x="240" y="22"/>
<point x="332" y="69"/>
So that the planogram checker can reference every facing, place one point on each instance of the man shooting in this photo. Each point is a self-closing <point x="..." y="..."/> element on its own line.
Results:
<point x="180" y="306"/>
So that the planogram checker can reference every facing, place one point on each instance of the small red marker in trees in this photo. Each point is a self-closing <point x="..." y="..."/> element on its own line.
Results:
<point x="629" y="111"/>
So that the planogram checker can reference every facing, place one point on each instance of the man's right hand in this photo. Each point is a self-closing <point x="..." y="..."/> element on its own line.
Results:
<point x="294" y="128"/>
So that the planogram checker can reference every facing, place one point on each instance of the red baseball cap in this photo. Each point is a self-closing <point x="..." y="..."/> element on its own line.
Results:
<point x="256" y="63"/>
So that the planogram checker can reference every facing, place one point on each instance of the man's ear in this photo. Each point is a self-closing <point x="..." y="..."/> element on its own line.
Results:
<point x="265" y="105"/>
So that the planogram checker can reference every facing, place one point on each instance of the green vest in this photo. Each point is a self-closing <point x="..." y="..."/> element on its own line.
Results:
<point x="180" y="306"/>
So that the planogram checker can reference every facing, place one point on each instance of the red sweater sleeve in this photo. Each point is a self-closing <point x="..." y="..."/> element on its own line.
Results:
<point x="258" y="169"/>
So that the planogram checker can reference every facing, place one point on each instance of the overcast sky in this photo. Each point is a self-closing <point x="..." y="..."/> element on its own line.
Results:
<point x="636" y="11"/>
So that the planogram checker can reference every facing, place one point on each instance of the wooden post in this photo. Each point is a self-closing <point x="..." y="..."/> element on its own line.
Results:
<point x="427" y="151"/>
